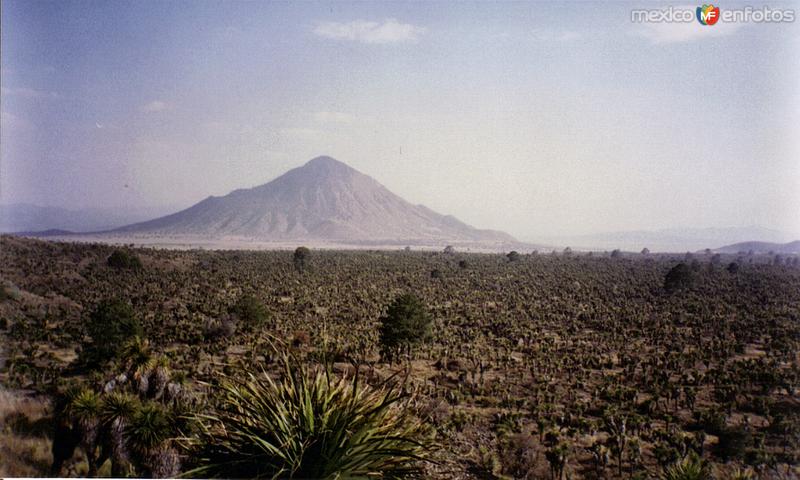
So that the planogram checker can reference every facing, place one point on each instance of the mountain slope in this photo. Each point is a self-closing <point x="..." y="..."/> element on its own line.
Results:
<point x="322" y="200"/>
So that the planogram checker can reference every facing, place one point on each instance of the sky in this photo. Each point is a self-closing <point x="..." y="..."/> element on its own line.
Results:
<point x="535" y="118"/>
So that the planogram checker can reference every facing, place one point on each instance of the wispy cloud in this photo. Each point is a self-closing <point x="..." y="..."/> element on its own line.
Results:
<point x="388" y="31"/>
<point x="154" y="106"/>
<point x="27" y="92"/>
<point x="332" y="117"/>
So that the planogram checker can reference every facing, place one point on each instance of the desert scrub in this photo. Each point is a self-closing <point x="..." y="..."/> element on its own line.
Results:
<point x="308" y="424"/>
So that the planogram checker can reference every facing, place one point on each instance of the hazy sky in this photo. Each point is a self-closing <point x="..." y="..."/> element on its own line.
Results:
<point x="534" y="118"/>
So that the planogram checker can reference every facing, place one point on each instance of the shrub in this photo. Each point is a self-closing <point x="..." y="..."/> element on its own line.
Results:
<point x="406" y="322"/>
<point x="216" y="329"/>
<point x="513" y="256"/>
<point x="300" y="257"/>
<point x="733" y="443"/>
<point x="308" y="425"/>
<point x="518" y="456"/>
<point x="679" y="277"/>
<point x="250" y="312"/>
<point x="110" y="325"/>
<point x="121" y="259"/>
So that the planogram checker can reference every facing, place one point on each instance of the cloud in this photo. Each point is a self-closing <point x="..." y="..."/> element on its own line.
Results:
<point x="28" y="92"/>
<point x="153" y="107"/>
<point x="332" y="117"/>
<point x="680" y="32"/>
<point x="389" y="31"/>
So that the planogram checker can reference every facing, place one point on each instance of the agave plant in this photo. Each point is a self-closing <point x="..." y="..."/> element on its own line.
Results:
<point x="690" y="468"/>
<point x="309" y="425"/>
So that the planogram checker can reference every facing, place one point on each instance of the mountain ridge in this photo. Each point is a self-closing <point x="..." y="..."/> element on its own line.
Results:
<point x="324" y="199"/>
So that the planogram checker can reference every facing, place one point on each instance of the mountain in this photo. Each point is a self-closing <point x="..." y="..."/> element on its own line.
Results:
<point x="324" y="200"/>
<point x="25" y="217"/>
<point x="762" y="247"/>
<point x="673" y="239"/>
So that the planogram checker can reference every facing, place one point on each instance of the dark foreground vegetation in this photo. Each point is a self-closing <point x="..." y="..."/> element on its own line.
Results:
<point x="123" y="361"/>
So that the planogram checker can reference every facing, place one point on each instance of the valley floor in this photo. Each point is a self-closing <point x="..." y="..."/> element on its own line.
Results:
<point x="540" y="366"/>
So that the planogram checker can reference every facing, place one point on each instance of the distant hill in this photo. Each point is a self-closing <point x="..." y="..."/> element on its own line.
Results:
<point x="762" y="247"/>
<point x="671" y="240"/>
<point x="323" y="200"/>
<point x="54" y="232"/>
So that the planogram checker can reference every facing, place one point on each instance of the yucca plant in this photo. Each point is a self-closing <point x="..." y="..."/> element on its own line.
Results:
<point x="84" y="410"/>
<point x="690" y="468"/>
<point x="117" y="411"/>
<point x="309" y="425"/>
<point x="150" y="433"/>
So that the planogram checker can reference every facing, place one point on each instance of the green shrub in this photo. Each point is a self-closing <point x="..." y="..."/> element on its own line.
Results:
<point x="250" y="311"/>
<point x="406" y="322"/>
<point x="121" y="259"/>
<point x="678" y="278"/>
<point x="110" y="325"/>
<point x="300" y="257"/>
<point x="308" y="425"/>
